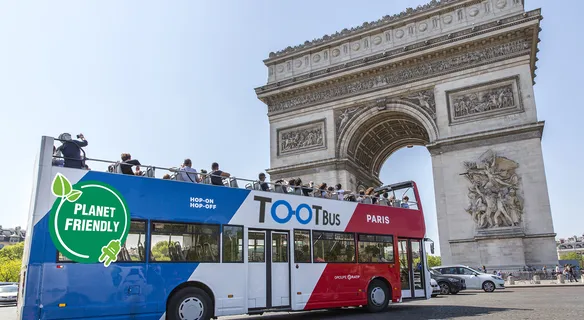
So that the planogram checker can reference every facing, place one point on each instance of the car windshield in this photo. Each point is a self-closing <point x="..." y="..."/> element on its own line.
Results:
<point x="434" y="272"/>
<point x="8" y="289"/>
<point x="475" y="270"/>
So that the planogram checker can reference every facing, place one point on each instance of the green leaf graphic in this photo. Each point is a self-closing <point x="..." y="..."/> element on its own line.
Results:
<point x="74" y="195"/>
<point x="61" y="186"/>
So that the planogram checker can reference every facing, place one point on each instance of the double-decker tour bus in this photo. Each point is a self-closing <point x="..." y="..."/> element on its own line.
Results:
<point x="199" y="251"/>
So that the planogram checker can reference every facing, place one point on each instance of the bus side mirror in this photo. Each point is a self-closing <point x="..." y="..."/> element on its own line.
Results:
<point x="432" y="248"/>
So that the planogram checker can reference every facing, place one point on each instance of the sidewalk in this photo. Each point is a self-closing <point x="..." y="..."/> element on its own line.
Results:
<point x="543" y="283"/>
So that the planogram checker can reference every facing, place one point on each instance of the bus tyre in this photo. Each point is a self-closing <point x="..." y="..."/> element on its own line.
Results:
<point x="190" y="303"/>
<point x="488" y="286"/>
<point x="377" y="296"/>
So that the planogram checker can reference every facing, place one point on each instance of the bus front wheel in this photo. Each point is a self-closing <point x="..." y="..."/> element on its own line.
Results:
<point x="190" y="303"/>
<point x="377" y="296"/>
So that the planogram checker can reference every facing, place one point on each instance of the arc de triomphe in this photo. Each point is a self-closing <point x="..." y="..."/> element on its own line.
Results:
<point x="455" y="76"/>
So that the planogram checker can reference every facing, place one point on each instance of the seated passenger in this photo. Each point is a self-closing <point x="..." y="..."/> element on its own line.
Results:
<point x="305" y="189"/>
<point x="187" y="173"/>
<point x="293" y="188"/>
<point x="217" y="175"/>
<point x="330" y="194"/>
<point x="281" y="186"/>
<point x="263" y="184"/>
<point x="71" y="150"/>
<point x="404" y="203"/>
<point x="383" y="199"/>
<point x="127" y="163"/>
<point x="361" y="196"/>
<point x="322" y="192"/>
<point x="166" y="177"/>
<point x="138" y="172"/>
<point x="341" y="192"/>
<point x="370" y="196"/>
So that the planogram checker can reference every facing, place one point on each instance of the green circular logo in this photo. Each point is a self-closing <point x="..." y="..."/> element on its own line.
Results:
<point x="89" y="221"/>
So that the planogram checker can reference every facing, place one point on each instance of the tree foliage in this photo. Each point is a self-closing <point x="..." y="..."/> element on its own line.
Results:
<point x="13" y="252"/>
<point x="9" y="269"/>
<point x="570" y="256"/>
<point x="434" y="261"/>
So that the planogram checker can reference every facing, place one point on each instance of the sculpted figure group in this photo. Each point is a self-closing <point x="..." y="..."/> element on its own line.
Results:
<point x="493" y="198"/>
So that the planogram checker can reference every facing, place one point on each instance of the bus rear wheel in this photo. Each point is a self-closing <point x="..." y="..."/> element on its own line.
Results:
<point x="190" y="304"/>
<point x="377" y="296"/>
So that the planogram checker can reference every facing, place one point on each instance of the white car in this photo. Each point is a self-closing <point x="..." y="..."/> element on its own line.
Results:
<point x="8" y="294"/>
<point x="475" y="280"/>
<point x="435" y="288"/>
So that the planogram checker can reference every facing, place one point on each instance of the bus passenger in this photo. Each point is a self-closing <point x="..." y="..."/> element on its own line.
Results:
<point x="217" y="175"/>
<point x="263" y="184"/>
<point x="187" y="173"/>
<point x="404" y="203"/>
<point x="127" y="164"/>
<point x="71" y="150"/>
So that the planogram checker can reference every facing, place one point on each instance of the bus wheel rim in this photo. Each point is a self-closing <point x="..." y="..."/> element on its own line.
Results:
<point x="377" y="296"/>
<point x="191" y="309"/>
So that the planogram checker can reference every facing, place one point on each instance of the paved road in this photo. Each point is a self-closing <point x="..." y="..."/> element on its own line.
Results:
<point x="509" y="304"/>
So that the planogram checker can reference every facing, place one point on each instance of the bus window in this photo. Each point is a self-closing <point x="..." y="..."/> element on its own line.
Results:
<point x="232" y="244"/>
<point x="256" y="246"/>
<point x="184" y="242"/>
<point x="333" y="246"/>
<point x="301" y="246"/>
<point x="279" y="247"/>
<point x="375" y="248"/>
<point x="133" y="247"/>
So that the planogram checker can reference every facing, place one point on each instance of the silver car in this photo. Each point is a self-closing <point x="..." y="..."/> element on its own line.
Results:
<point x="8" y="294"/>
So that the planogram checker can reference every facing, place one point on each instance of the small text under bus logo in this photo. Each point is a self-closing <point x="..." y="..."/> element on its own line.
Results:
<point x="202" y="203"/>
<point x="347" y="277"/>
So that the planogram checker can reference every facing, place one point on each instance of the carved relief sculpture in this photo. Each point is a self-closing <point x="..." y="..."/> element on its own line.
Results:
<point x="498" y="97"/>
<point x="303" y="137"/>
<point x="493" y="198"/>
<point x="482" y="101"/>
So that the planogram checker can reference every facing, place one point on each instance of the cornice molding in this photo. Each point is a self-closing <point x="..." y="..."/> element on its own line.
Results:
<point x="407" y="16"/>
<point x="441" y="63"/>
<point x="406" y="50"/>
<point x="487" y="138"/>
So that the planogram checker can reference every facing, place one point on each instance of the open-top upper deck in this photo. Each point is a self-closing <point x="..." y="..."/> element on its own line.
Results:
<point x="152" y="198"/>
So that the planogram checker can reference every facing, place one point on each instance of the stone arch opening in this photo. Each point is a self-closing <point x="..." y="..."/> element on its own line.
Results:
<point x="371" y="138"/>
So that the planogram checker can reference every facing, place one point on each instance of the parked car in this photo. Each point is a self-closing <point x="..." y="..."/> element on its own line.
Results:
<point x="8" y="294"/>
<point x="474" y="279"/>
<point x="448" y="284"/>
<point x="435" y="288"/>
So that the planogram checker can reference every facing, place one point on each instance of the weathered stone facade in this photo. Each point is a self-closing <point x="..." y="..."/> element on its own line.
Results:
<point x="455" y="76"/>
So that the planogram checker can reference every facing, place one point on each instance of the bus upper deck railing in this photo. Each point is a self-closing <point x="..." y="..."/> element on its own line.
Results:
<point x="382" y="196"/>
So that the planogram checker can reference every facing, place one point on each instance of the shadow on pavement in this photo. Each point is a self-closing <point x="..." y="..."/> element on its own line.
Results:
<point x="404" y="311"/>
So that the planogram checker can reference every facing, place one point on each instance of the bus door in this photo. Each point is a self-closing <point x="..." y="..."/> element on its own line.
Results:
<point x="411" y="264"/>
<point x="268" y="269"/>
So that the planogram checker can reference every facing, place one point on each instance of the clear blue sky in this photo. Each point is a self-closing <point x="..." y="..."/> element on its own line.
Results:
<point x="165" y="80"/>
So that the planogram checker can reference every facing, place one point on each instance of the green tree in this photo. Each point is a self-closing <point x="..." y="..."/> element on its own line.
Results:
<point x="13" y="252"/>
<point x="160" y="251"/>
<point x="9" y="269"/>
<point x="434" y="261"/>
<point x="570" y="256"/>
